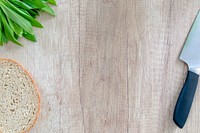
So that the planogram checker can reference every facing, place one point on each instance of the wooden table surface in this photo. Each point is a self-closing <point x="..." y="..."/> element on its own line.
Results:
<point x="110" y="66"/>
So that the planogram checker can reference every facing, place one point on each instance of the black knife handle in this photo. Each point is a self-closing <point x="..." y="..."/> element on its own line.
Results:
<point x="185" y="99"/>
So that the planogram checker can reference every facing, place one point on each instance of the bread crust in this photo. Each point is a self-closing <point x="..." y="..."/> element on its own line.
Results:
<point x="36" y="90"/>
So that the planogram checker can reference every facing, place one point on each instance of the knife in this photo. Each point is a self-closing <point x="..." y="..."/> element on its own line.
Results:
<point x="191" y="56"/>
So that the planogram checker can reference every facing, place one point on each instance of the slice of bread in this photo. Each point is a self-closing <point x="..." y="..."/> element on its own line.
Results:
<point x="19" y="98"/>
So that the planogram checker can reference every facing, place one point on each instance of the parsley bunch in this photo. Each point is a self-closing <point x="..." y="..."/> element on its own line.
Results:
<point x="17" y="17"/>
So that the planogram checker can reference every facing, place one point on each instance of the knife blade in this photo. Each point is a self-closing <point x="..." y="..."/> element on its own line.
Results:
<point x="191" y="56"/>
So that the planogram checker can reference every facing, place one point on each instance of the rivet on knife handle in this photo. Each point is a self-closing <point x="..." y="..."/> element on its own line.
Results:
<point x="185" y="99"/>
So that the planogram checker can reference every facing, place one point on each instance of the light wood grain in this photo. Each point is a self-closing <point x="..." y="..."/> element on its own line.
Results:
<point x="110" y="66"/>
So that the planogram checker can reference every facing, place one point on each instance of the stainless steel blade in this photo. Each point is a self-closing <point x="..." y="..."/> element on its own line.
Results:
<point x="191" y="50"/>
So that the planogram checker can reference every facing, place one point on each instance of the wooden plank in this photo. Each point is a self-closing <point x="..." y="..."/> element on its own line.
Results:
<point x="103" y="66"/>
<point x="54" y="64"/>
<point x="157" y="31"/>
<point x="110" y="66"/>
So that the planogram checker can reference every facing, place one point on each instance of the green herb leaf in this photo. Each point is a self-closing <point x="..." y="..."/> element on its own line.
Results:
<point x="26" y="16"/>
<point x="16" y="28"/>
<point x="16" y="36"/>
<point x="33" y="13"/>
<point x="8" y="31"/>
<point x="1" y="42"/>
<point x="48" y="9"/>
<point x="52" y="2"/>
<point x="17" y="19"/>
<point x="21" y="4"/>
<point x="36" y="4"/>
<point x="25" y="11"/>
<point x="4" y="39"/>
<point x="29" y="36"/>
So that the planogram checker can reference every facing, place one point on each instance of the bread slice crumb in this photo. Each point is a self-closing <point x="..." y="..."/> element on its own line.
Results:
<point x="19" y="98"/>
